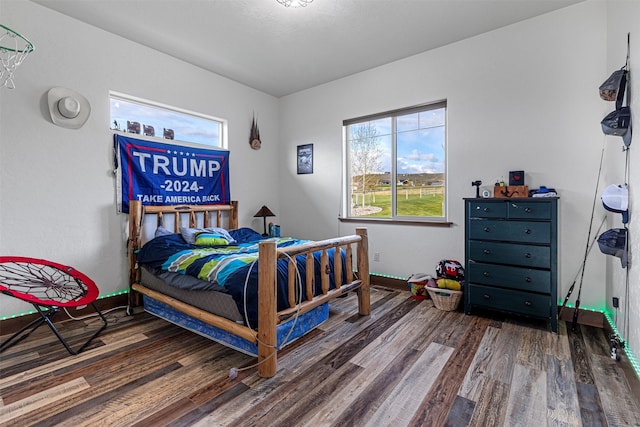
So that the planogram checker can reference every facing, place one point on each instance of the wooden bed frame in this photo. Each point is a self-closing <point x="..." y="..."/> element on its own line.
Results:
<point x="268" y="317"/>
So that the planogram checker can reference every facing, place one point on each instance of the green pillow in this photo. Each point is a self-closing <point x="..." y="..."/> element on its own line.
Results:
<point x="210" y="239"/>
<point x="190" y="234"/>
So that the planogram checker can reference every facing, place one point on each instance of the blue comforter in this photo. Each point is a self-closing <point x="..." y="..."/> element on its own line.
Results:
<point x="232" y="268"/>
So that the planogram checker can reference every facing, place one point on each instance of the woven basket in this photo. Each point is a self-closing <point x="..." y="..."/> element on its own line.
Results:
<point x="445" y="299"/>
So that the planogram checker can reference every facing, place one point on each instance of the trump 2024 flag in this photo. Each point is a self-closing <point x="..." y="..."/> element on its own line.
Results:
<point x="168" y="174"/>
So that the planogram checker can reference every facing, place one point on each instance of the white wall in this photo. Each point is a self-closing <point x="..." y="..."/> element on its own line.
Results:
<point x="523" y="97"/>
<point x="622" y="19"/>
<point x="56" y="185"/>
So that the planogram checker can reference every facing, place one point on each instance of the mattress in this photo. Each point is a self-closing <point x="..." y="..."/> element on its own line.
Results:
<point x="193" y="270"/>
<point x="218" y="303"/>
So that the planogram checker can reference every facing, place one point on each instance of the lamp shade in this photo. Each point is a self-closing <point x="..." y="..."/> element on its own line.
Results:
<point x="263" y="212"/>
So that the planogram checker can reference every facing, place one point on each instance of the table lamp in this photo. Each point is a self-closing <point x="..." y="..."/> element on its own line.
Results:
<point x="264" y="212"/>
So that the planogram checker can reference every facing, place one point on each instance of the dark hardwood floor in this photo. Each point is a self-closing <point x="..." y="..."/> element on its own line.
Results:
<point x="406" y="364"/>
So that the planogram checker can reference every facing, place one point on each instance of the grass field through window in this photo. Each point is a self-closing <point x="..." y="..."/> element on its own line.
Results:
<point x="411" y="201"/>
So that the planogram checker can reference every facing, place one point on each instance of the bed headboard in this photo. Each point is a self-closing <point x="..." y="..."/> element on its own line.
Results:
<point x="182" y="216"/>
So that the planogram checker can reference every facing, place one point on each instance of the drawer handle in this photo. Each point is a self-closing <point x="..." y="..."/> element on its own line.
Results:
<point x="486" y="209"/>
<point x="487" y="229"/>
<point x="527" y="255"/>
<point x="527" y="231"/>
<point x="486" y="296"/>
<point x="528" y="303"/>
<point x="528" y="279"/>
<point x="486" y="274"/>
<point x="486" y="251"/>
<point x="527" y="210"/>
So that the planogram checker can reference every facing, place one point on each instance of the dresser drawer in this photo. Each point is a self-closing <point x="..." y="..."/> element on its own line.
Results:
<point x="484" y="209"/>
<point x="515" y="231"/>
<point x="505" y="276"/>
<point x="508" y="300"/>
<point x="532" y="210"/>
<point x="509" y="253"/>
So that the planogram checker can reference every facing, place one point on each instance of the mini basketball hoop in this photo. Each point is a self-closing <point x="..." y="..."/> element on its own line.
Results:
<point x="14" y="48"/>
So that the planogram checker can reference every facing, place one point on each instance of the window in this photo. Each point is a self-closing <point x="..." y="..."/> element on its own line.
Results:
<point x="394" y="164"/>
<point x="153" y="120"/>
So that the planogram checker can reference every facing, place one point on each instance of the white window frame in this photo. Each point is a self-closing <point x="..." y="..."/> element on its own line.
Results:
<point x="223" y="140"/>
<point x="346" y="181"/>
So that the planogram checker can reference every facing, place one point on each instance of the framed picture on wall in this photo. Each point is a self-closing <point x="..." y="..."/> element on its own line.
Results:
<point x="305" y="159"/>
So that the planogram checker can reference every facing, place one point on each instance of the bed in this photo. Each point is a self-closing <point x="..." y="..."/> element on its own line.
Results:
<point x="252" y="293"/>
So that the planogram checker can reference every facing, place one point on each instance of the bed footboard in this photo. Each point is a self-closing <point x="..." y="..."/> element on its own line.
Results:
<point x="269" y="317"/>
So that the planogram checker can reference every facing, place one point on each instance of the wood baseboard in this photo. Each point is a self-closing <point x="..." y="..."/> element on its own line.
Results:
<point x="585" y="317"/>
<point x="9" y="326"/>
<point x="389" y="282"/>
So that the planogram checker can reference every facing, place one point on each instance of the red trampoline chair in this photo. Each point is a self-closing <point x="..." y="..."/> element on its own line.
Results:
<point x="48" y="286"/>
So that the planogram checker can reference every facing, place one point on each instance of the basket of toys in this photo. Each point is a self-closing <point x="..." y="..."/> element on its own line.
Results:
<point x="445" y="299"/>
<point x="447" y="293"/>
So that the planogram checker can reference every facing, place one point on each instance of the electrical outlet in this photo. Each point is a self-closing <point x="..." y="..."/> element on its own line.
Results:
<point x="616" y="302"/>
<point x="376" y="257"/>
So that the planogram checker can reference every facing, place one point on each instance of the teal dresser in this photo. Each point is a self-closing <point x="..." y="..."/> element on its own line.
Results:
<point x="511" y="255"/>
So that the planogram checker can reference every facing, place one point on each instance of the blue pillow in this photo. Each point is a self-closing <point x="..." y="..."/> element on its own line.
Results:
<point x="161" y="231"/>
<point x="245" y="234"/>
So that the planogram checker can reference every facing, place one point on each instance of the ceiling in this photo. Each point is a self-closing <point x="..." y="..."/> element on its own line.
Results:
<point x="279" y="50"/>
